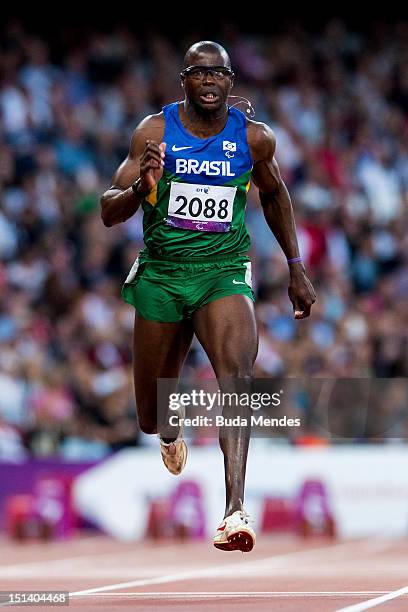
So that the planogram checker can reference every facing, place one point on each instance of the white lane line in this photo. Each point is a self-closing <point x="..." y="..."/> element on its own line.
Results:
<point x="218" y="571"/>
<point x="217" y="594"/>
<point x="378" y="544"/>
<point x="372" y="603"/>
<point x="205" y="595"/>
<point x="124" y="573"/>
<point x="333" y="557"/>
<point x="9" y="570"/>
<point x="201" y="573"/>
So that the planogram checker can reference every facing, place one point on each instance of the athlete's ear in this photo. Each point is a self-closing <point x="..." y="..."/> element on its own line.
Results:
<point x="182" y="77"/>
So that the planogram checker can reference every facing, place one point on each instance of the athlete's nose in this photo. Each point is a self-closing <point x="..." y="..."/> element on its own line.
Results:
<point x="208" y="76"/>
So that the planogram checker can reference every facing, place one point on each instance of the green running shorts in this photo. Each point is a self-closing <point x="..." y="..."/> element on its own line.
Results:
<point x="169" y="291"/>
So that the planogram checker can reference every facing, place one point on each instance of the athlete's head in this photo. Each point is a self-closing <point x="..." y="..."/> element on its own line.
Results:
<point x="205" y="88"/>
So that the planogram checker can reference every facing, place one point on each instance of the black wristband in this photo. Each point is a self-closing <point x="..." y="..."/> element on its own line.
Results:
<point x="136" y="190"/>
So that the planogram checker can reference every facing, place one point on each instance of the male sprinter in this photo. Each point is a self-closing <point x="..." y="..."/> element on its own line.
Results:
<point x="190" y="167"/>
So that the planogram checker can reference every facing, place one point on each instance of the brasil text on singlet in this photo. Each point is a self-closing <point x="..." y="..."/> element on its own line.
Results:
<point x="197" y="209"/>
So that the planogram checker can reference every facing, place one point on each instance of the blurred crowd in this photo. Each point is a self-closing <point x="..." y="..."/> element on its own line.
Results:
<point x="337" y="100"/>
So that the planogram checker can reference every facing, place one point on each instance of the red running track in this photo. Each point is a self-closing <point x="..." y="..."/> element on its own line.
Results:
<point x="281" y="573"/>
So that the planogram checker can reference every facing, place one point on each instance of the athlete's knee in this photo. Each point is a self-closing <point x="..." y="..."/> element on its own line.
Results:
<point x="231" y="368"/>
<point x="148" y="425"/>
<point x="236" y="363"/>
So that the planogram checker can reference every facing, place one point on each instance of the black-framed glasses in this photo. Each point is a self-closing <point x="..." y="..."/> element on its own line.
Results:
<point x="199" y="72"/>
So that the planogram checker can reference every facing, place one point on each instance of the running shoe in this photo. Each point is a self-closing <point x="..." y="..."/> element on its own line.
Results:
<point x="235" y="533"/>
<point x="174" y="454"/>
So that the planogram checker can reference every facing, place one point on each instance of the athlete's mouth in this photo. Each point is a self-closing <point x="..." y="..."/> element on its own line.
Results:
<point x="209" y="97"/>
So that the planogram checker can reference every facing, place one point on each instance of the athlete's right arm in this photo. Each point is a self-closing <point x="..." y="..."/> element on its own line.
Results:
<point x="144" y="161"/>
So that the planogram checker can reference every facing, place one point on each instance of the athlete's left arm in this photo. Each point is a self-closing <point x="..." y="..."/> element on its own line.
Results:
<point x="278" y="212"/>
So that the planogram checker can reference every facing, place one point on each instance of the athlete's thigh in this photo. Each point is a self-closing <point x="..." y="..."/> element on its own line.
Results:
<point x="226" y="328"/>
<point x="159" y="351"/>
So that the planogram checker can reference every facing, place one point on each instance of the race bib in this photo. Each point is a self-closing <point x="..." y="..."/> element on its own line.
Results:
<point x="204" y="208"/>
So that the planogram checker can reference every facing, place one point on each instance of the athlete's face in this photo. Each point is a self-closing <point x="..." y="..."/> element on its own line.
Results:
<point x="207" y="89"/>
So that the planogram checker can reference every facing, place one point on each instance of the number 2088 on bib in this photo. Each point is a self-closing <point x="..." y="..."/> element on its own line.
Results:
<point x="205" y="208"/>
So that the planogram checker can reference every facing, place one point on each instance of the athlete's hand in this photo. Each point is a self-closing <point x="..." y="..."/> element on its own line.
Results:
<point x="301" y="293"/>
<point x="151" y="164"/>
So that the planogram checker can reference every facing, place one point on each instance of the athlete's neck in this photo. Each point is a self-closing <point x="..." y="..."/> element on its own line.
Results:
<point x="200" y="122"/>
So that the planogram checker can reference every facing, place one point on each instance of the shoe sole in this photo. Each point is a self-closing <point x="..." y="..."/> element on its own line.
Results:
<point x="176" y="473"/>
<point x="241" y="540"/>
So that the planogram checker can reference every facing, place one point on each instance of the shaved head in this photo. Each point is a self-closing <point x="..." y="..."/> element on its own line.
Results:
<point x="206" y="47"/>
